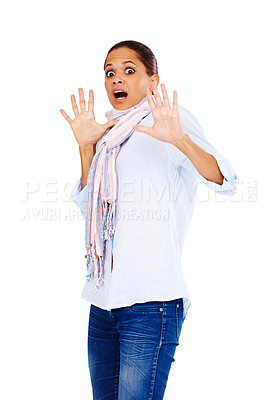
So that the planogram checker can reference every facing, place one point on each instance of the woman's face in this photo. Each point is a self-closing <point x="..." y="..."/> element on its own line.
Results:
<point x="124" y="72"/>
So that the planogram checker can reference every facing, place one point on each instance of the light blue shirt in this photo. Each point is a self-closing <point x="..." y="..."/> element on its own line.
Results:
<point x="156" y="197"/>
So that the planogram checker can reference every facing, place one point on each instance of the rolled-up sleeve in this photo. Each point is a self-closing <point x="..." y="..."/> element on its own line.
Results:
<point x="192" y="128"/>
<point x="79" y="196"/>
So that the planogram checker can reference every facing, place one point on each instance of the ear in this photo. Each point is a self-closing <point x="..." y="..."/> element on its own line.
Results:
<point x="154" y="77"/>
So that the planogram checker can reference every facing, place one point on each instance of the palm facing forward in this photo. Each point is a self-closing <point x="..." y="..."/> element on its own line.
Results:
<point x="167" y="126"/>
<point x="86" y="130"/>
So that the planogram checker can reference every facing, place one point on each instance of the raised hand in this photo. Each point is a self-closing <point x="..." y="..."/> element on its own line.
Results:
<point x="86" y="130"/>
<point x="167" y="126"/>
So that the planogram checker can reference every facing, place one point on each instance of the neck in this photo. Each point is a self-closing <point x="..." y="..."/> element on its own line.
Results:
<point x="114" y="113"/>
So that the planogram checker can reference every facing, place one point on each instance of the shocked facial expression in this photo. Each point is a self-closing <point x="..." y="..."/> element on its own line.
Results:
<point x="126" y="79"/>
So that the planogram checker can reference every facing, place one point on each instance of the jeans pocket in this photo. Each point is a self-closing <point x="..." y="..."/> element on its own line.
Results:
<point x="179" y="319"/>
<point x="148" y="307"/>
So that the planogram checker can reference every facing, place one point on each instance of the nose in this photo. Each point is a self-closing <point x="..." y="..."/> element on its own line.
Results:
<point x="118" y="79"/>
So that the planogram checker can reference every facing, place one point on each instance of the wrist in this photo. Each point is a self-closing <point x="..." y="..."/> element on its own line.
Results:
<point x="183" y="141"/>
<point x="87" y="148"/>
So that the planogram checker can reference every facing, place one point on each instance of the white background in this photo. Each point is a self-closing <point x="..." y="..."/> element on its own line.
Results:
<point x="223" y="59"/>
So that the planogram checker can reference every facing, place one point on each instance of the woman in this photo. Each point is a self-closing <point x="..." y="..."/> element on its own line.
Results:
<point x="137" y="193"/>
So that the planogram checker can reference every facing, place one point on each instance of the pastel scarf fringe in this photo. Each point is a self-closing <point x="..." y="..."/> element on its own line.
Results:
<point x="102" y="188"/>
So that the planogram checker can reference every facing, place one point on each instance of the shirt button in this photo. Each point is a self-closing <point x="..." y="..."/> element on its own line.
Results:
<point x="161" y="309"/>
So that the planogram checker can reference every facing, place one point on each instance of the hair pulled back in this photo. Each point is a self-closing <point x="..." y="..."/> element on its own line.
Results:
<point x="144" y="53"/>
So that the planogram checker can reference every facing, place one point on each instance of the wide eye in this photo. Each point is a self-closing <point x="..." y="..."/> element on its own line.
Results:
<point x="131" y="69"/>
<point x="109" y="72"/>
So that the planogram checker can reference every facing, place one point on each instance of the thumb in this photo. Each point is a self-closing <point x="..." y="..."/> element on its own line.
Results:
<point x="142" y="128"/>
<point x="111" y="123"/>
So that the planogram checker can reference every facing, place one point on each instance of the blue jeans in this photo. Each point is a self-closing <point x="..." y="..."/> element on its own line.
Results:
<point x="131" y="349"/>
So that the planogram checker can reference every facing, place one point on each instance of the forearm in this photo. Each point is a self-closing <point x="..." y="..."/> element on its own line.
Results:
<point x="204" y="162"/>
<point x="86" y="153"/>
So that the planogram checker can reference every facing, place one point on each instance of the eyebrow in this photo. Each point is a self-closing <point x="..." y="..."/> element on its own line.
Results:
<point x="124" y="62"/>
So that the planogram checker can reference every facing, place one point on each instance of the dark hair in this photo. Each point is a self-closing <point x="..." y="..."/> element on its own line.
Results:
<point x="145" y="54"/>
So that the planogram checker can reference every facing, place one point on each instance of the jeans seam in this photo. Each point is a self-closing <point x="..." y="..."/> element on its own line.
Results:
<point x="116" y="388"/>
<point x="177" y="322"/>
<point x="158" y="350"/>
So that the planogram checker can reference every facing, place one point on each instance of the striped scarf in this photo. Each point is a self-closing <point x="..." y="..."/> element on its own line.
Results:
<point x="102" y="187"/>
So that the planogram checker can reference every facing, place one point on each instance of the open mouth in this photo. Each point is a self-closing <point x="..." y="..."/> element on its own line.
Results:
<point x="120" y="94"/>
